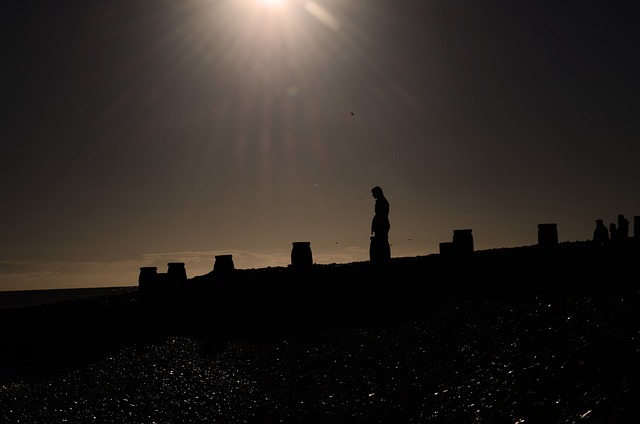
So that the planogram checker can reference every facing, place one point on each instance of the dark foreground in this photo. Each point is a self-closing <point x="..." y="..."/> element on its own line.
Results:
<point x="331" y="351"/>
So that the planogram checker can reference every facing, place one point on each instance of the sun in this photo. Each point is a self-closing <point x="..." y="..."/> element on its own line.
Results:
<point x="271" y="3"/>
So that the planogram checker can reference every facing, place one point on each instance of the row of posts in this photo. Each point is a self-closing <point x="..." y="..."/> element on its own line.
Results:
<point x="302" y="258"/>
<point x="548" y="233"/>
<point x="462" y="243"/>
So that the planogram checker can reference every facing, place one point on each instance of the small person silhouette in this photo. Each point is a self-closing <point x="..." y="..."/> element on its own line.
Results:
<point x="380" y="225"/>
<point x="613" y="231"/>
<point x="623" y="227"/>
<point x="380" y="251"/>
<point x="600" y="233"/>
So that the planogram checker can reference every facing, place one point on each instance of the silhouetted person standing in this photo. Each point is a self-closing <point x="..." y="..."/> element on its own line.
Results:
<point x="380" y="249"/>
<point x="601" y="233"/>
<point x="613" y="231"/>
<point x="380" y="224"/>
<point x="623" y="227"/>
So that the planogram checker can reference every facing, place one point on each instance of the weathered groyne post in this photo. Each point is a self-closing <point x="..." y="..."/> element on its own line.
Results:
<point x="446" y="248"/>
<point x="457" y="259"/>
<point x="176" y="273"/>
<point x="547" y="235"/>
<point x="154" y="284"/>
<point x="295" y="290"/>
<point x="301" y="256"/>
<point x="460" y="246"/>
<point x="148" y="278"/>
<point x="227" y="293"/>
<point x="463" y="242"/>
<point x="228" y="299"/>
<point x="223" y="264"/>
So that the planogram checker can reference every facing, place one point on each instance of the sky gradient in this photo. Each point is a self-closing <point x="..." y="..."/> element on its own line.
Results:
<point x="141" y="132"/>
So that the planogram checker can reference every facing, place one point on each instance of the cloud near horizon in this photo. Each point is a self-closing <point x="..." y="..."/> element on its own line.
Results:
<point x="38" y="275"/>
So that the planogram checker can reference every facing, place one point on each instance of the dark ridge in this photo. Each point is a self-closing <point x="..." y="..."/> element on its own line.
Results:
<point x="232" y="304"/>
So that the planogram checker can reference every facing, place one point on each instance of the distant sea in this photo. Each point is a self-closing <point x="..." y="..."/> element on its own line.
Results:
<point x="24" y="298"/>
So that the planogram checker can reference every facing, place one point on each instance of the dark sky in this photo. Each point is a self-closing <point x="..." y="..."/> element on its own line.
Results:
<point x="141" y="132"/>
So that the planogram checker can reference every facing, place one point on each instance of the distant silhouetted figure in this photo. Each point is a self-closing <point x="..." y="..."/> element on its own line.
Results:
<point x="380" y="249"/>
<point x="380" y="224"/>
<point x="601" y="233"/>
<point x="613" y="231"/>
<point x="623" y="227"/>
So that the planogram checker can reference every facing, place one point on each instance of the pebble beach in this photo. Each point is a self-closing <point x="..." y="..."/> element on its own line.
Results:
<point x="531" y="359"/>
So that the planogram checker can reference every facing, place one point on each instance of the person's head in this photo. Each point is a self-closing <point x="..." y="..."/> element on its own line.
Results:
<point x="376" y="192"/>
<point x="599" y="222"/>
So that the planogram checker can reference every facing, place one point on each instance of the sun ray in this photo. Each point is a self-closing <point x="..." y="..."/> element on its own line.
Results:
<point x="271" y="3"/>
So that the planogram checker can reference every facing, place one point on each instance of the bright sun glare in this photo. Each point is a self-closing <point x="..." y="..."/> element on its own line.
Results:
<point x="272" y="3"/>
